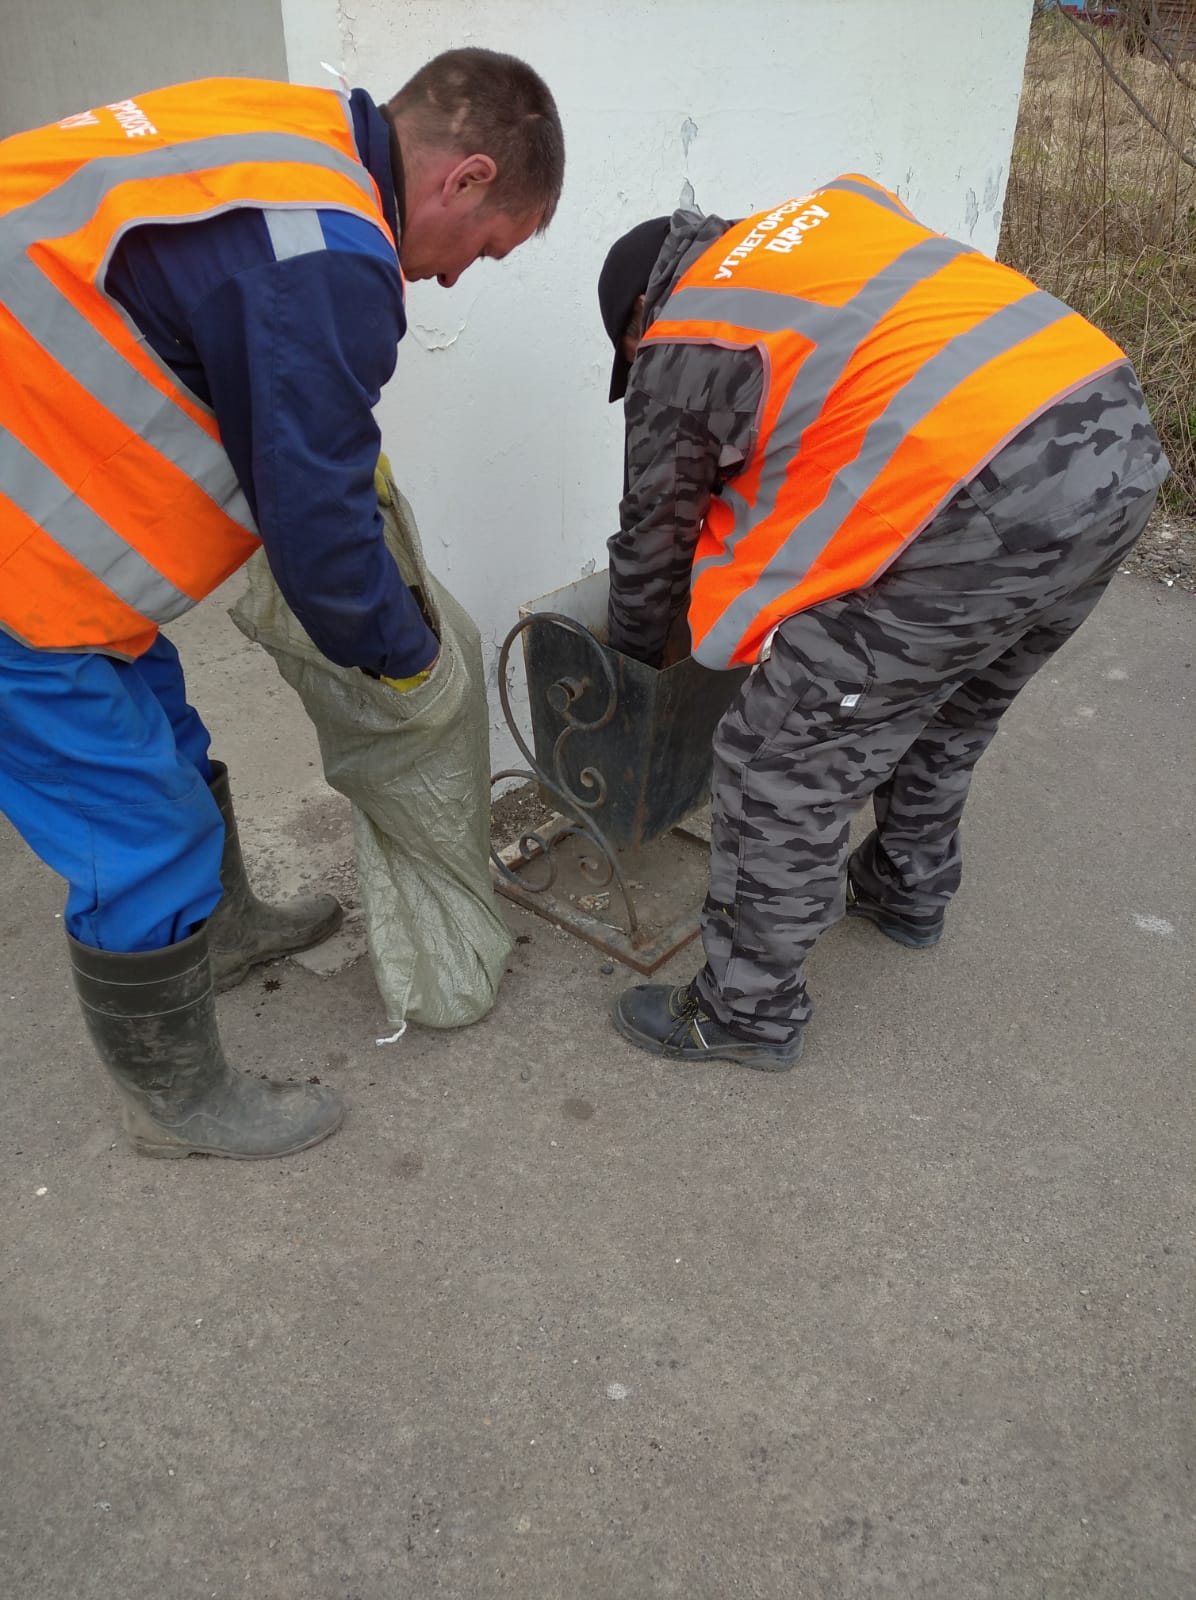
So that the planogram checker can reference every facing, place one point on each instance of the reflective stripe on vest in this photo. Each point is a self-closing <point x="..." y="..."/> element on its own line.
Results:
<point x="872" y="191"/>
<point x="879" y="400"/>
<point x="822" y="369"/>
<point x="87" y="538"/>
<point x="105" y="456"/>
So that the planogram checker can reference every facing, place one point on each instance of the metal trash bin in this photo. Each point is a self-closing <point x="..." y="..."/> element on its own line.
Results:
<point x="621" y="754"/>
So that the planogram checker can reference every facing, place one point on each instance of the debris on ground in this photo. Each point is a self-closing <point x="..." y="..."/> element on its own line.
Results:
<point x="1166" y="552"/>
<point x="516" y="814"/>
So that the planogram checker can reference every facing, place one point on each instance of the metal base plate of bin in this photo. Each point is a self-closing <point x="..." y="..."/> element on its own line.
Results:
<point x="668" y="878"/>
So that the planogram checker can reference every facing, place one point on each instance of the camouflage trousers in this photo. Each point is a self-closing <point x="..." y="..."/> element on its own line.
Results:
<point x="894" y="692"/>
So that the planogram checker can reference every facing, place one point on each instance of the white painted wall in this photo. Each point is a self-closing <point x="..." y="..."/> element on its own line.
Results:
<point x="62" y="56"/>
<point x="497" y="420"/>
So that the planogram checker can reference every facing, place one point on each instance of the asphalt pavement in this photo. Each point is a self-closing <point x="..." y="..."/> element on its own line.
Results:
<point x="549" y="1318"/>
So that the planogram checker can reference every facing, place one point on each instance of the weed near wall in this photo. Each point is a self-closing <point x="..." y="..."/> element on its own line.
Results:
<point x="1101" y="211"/>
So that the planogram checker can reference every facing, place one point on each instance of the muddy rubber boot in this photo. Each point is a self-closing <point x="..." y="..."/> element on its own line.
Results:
<point x="152" y="1019"/>
<point x="243" y="930"/>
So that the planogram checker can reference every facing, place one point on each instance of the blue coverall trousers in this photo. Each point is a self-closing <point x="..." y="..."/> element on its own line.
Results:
<point x="104" y="773"/>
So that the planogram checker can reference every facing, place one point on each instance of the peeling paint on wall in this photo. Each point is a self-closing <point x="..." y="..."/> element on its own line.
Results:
<point x="689" y="132"/>
<point x="992" y="198"/>
<point x="434" y="338"/>
<point x="346" y="22"/>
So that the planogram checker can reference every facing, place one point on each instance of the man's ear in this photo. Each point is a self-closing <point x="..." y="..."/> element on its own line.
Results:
<point x="471" y="174"/>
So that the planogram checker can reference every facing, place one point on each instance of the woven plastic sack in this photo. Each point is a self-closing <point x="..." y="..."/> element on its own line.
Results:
<point x="416" y="766"/>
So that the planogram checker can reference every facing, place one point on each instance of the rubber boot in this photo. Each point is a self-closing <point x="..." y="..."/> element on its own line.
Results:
<point x="244" y="931"/>
<point x="152" y="1019"/>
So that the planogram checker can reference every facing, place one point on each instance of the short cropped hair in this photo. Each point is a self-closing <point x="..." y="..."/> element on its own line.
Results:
<point x="485" y="103"/>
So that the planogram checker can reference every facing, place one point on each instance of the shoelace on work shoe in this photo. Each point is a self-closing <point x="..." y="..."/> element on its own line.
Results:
<point x="686" y="1006"/>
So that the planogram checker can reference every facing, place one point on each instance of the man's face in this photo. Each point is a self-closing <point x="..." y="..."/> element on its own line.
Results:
<point x="456" y="225"/>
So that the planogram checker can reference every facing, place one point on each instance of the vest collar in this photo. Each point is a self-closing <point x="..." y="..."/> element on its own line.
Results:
<point x="689" y="236"/>
<point x="378" y="147"/>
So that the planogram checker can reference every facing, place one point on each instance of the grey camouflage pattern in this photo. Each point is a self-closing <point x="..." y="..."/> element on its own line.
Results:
<point x="691" y="414"/>
<point x="895" y="691"/>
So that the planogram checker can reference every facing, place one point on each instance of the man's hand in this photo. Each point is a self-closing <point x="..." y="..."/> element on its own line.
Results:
<point x="405" y="685"/>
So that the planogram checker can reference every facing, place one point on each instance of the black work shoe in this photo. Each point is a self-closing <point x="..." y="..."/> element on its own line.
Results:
<point x="905" y="930"/>
<point x="673" y="1022"/>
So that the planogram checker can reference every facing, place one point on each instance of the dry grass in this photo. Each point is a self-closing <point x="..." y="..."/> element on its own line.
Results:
<point x="1101" y="211"/>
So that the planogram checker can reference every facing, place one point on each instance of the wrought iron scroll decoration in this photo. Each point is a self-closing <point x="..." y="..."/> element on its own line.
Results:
<point x="575" y="807"/>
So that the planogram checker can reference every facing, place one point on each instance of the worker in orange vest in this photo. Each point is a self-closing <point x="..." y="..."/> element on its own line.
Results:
<point x="891" y="477"/>
<point x="201" y="296"/>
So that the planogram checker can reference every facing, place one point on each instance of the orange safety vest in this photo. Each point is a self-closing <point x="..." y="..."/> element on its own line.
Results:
<point x="897" y="363"/>
<point x="119" y="507"/>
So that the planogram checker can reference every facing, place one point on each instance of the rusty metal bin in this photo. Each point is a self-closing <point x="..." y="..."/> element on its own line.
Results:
<point x="638" y="736"/>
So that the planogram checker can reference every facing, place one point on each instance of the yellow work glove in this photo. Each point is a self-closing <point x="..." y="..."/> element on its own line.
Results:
<point x="382" y="477"/>
<point x="405" y="685"/>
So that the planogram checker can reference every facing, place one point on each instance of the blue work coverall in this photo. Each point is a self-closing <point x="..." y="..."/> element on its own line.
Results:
<point x="104" y="765"/>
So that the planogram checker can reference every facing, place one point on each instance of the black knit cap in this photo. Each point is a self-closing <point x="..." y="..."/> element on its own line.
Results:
<point x="624" y="277"/>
